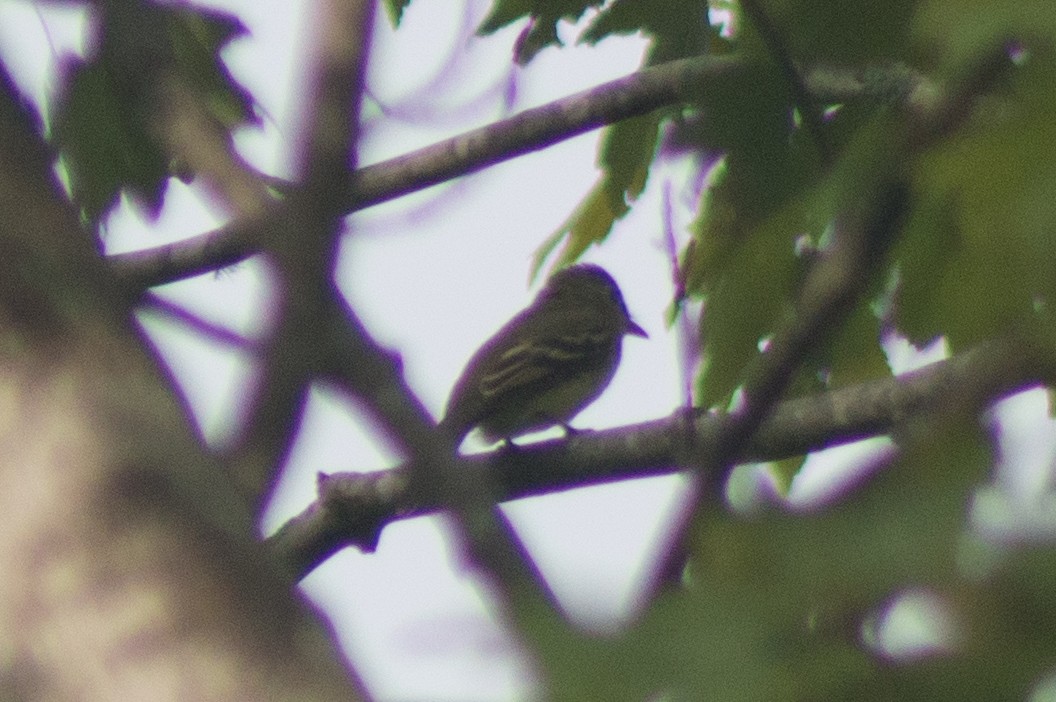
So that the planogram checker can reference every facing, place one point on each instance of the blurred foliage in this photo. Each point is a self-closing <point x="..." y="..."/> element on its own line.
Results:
<point x="543" y="18"/>
<point x="107" y="116"/>
<point x="774" y="603"/>
<point x="852" y="32"/>
<point x="395" y="8"/>
<point x="777" y="604"/>
<point x="990" y="202"/>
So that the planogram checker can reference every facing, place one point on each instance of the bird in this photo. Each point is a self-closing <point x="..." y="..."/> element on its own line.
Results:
<point x="547" y="363"/>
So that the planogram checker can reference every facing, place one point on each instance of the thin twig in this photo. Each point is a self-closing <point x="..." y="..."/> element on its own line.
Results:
<point x="167" y="309"/>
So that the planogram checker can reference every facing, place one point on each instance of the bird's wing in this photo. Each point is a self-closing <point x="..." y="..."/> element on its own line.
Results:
<point x="548" y="358"/>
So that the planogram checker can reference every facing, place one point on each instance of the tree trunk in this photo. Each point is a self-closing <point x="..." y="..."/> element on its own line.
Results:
<point x="130" y="569"/>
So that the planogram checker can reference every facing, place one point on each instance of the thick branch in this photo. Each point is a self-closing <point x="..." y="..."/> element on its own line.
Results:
<point x="353" y="508"/>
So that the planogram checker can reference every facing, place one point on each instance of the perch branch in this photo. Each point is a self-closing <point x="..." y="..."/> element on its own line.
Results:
<point x="353" y="508"/>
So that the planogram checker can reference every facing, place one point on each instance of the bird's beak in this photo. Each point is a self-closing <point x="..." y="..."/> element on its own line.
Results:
<point x="634" y="329"/>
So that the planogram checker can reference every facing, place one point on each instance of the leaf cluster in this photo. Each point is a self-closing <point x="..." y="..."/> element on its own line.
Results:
<point x="107" y="114"/>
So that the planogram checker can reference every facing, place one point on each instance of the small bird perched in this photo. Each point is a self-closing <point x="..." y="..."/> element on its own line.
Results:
<point x="548" y="363"/>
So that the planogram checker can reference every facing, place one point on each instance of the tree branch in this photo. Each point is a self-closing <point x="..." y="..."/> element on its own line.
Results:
<point x="671" y="83"/>
<point x="303" y="251"/>
<point x="353" y="508"/>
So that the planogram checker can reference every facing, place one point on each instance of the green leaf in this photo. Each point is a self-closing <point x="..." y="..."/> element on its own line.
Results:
<point x="963" y="30"/>
<point x="106" y="144"/>
<point x="627" y="151"/>
<point x="785" y="471"/>
<point x="852" y="32"/>
<point x="197" y="38"/>
<point x="678" y="28"/>
<point x="747" y="119"/>
<point x="105" y="125"/>
<point x="542" y="29"/>
<point x="743" y="303"/>
<point x="504" y="12"/>
<point x="854" y="355"/>
<point x="394" y="9"/>
<point x="590" y="222"/>
<point x="774" y="599"/>
<point x="625" y="154"/>
<point x="743" y="269"/>
<point x="747" y="267"/>
<point x="977" y="258"/>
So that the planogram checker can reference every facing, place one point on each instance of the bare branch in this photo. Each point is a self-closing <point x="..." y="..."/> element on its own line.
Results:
<point x="175" y="313"/>
<point x="672" y="83"/>
<point x="528" y="131"/>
